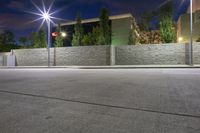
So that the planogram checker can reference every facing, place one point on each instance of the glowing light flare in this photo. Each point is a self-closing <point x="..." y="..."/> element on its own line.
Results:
<point x="180" y="39"/>
<point x="63" y="34"/>
<point x="44" y="13"/>
<point x="46" y="16"/>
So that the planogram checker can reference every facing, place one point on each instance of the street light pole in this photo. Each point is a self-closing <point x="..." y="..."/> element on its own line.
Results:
<point x="46" y="15"/>
<point x="49" y="40"/>
<point x="191" y="34"/>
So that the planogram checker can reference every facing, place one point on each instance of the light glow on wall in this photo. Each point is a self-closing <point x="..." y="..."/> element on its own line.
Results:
<point x="180" y="39"/>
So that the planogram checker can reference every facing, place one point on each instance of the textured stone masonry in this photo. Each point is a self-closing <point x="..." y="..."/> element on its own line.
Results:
<point x="87" y="55"/>
<point x="155" y="54"/>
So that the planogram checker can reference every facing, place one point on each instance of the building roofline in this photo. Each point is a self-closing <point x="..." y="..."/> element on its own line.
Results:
<point x="113" y="17"/>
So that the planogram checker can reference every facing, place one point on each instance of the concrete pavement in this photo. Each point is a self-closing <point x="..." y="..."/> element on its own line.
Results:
<point x="100" y="100"/>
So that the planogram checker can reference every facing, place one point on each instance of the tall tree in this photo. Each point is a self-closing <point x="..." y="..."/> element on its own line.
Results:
<point x="167" y="31"/>
<point x="145" y="20"/>
<point x="105" y="29"/>
<point x="166" y="25"/>
<point x="38" y="39"/>
<point x="95" y="35"/>
<point x="59" y="39"/>
<point x="91" y="38"/>
<point x="78" y="32"/>
<point x="34" y="40"/>
<point x="131" y="38"/>
<point x="42" y="38"/>
<point x="7" y="41"/>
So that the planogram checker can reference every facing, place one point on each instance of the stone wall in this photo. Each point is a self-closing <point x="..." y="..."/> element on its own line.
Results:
<point x="86" y="55"/>
<point x="3" y="58"/>
<point x="196" y="53"/>
<point x="154" y="54"/>
<point x="157" y="54"/>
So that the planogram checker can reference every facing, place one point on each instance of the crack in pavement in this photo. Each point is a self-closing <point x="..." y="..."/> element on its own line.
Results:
<point x="102" y="105"/>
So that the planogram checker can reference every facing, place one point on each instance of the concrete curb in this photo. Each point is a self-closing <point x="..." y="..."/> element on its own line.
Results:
<point x="104" y="67"/>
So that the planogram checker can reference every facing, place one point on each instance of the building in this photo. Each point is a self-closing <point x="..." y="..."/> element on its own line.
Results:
<point x="183" y="24"/>
<point x="120" y="28"/>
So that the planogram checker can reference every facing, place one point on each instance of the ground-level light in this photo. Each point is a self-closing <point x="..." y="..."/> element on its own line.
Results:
<point x="180" y="39"/>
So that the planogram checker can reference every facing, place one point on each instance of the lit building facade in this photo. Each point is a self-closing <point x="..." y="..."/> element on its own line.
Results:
<point x="183" y="24"/>
<point x="120" y="28"/>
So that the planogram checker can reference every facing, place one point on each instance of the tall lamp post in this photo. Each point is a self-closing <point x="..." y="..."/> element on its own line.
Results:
<point x="191" y="34"/>
<point x="46" y="17"/>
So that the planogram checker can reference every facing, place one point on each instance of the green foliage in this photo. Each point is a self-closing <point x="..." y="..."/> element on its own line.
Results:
<point x="167" y="29"/>
<point x="8" y="48"/>
<point x="78" y="32"/>
<point x="131" y="38"/>
<point x="105" y="29"/>
<point x="23" y="40"/>
<point x="42" y="38"/>
<point x="7" y="38"/>
<point x="166" y="11"/>
<point x="95" y="35"/>
<point x="34" y="40"/>
<point x="91" y="38"/>
<point x="38" y="40"/>
<point x="59" y="38"/>
<point x="7" y="41"/>
<point x="87" y="39"/>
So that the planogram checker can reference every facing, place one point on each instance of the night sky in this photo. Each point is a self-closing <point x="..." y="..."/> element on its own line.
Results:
<point x="15" y="17"/>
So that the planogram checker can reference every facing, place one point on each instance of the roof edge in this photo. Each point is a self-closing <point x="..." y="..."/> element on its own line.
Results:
<point x="112" y="17"/>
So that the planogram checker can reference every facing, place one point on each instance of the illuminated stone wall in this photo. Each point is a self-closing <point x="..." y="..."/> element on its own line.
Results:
<point x="85" y="55"/>
<point x="150" y="54"/>
<point x="156" y="54"/>
<point x="3" y="59"/>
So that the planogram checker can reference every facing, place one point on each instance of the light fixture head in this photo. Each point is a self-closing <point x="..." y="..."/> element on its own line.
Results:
<point x="44" y="13"/>
<point x="63" y="34"/>
<point x="46" y="16"/>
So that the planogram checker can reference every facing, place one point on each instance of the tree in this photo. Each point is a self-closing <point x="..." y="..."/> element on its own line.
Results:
<point x="7" y="41"/>
<point x="34" y="39"/>
<point x="131" y="38"/>
<point x="59" y="38"/>
<point x="7" y="38"/>
<point x="78" y="32"/>
<point x="95" y="35"/>
<point x="87" y="39"/>
<point x="145" y="20"/>
<point x="91" y="38"/>
<point x="38" y="39"/>
<point x="167" y="29"/>
<point x="23" y="40"/>
<point x="58" y="41"/>
<point x="42" y="38"/>
<point x="105" y="30"/>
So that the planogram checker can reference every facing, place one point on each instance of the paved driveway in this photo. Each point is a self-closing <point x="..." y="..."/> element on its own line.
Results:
<point x="100" y="101"/>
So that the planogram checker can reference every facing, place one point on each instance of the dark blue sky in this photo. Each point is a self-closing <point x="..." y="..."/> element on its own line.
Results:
<point x="14" y="16"/>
